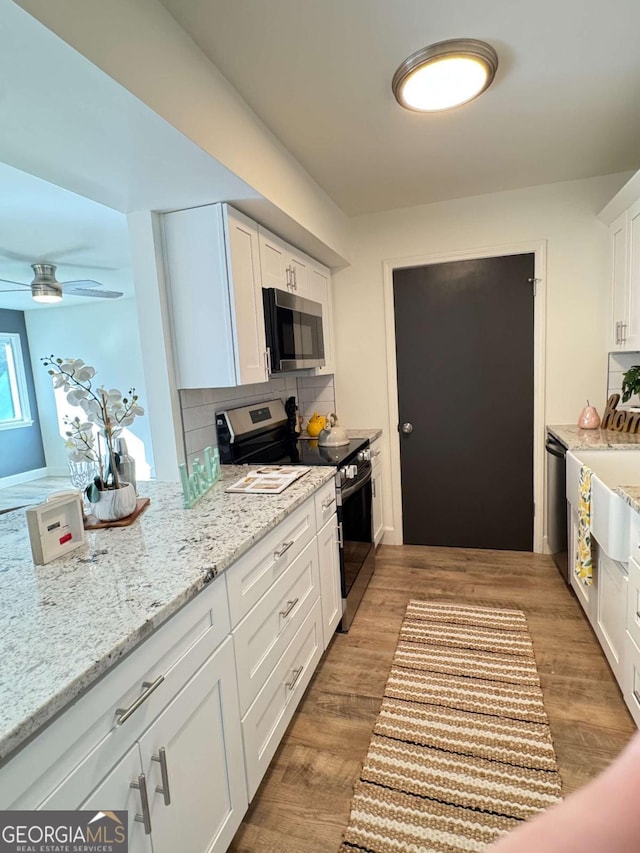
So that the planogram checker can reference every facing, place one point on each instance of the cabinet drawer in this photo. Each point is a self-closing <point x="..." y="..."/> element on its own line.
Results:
<point x="633" y="601"/>
<point x="631" y="682"/>
<point x="173" y="652"/>
<point x="252" y="575"/>
<point x="325" y="500"/>
<point x="264" y="633"/>
<point x="265" y="722"/>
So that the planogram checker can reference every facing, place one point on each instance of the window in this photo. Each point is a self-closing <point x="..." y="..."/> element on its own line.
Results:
<point x="14" y="399"/>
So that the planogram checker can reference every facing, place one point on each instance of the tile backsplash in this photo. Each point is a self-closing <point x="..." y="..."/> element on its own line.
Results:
<point x="199" y="406"/>
<point x="619" y="363"/>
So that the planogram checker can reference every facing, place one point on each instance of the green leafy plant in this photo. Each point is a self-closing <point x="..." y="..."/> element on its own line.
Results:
<point x="631" y="383"/>
<point x="107" y="412"/>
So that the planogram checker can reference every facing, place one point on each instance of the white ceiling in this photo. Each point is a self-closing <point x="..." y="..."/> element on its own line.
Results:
<point x="565" y="102"/>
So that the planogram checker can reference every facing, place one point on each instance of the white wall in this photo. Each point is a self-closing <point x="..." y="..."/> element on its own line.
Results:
<point x="563" y="214"/>
<point x="104" y="335"/>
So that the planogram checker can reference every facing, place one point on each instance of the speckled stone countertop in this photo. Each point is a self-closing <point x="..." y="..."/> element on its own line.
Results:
<point x="371" y="434"/>
<point x="575" y="438"/>
<point x="57" y="636"/>
<point x="631" y="494"/>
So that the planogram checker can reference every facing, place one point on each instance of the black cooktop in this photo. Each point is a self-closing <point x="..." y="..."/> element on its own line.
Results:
<point x="306" y="451"/>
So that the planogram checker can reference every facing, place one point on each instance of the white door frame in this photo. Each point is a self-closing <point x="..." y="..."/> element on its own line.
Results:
<point x="539" y="250"/>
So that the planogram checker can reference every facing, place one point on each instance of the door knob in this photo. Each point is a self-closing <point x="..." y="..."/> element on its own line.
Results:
<point x="407" y="429"/>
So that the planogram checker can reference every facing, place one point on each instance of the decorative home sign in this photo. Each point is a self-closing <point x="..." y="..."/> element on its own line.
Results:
<point x="202" y="477"/>
<point x="620" y="421"/>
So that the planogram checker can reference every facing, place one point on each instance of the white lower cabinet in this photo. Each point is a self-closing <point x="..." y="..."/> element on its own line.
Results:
<point x="631" y="681"/>
<point x="268" y="717"/>
<point x="330" y="586"/>
<point x="376" y="492"/>
<point x="115" y="793"/>
<point x="182" y="730"/>
<point x="611" y="610"/>
<point x="182" y="781"/>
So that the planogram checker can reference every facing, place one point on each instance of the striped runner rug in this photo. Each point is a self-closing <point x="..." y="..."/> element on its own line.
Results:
<point x="461" y="751"/>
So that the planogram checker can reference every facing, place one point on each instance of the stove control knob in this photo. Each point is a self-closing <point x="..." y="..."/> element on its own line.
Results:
<point x="364" y="455"/>
<point x="351" y="471"/>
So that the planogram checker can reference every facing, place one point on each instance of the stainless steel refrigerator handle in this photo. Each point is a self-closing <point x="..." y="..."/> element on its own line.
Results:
<point x="163" y="789"/>
<point x="145" y="817"/>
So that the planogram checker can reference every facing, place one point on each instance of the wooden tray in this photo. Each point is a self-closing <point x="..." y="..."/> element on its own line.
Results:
<point x="92" y="523"/>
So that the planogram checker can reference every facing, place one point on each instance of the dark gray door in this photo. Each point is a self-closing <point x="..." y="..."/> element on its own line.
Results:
<point x="464" y="347"/>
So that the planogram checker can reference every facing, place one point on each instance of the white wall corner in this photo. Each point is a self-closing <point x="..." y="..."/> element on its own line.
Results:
<point x="145" y="233"/>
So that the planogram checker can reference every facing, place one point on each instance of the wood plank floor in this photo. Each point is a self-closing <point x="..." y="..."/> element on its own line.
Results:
<point x="302" y="805"/>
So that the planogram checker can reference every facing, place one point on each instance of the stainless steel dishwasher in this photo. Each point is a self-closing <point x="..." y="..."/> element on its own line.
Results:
<point x="557" y="504"/>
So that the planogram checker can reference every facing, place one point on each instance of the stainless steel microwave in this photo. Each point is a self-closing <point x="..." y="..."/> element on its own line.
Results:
<point x="293" y="327"/>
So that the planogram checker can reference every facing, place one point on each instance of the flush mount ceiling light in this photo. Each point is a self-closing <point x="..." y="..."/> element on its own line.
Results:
<point x="445" y="75"/>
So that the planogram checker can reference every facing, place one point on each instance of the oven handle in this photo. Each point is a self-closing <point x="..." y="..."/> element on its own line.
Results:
<point x="347" y="491"/>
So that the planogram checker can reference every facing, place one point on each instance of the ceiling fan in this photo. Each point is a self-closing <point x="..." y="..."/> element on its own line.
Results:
<point x="46" y="288"/>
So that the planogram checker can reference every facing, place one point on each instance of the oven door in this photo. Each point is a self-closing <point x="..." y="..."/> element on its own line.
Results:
<point x="293" y="328"/>
<point x="357" y="554"/>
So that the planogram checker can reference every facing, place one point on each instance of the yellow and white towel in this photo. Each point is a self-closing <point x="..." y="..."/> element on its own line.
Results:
<point x="583" y="568"/>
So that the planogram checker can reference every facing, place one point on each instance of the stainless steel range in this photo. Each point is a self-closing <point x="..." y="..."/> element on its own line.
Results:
<point x="263" y="433"/>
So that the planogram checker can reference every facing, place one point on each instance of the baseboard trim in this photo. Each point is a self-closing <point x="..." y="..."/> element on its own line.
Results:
<point x="24" y="477"/>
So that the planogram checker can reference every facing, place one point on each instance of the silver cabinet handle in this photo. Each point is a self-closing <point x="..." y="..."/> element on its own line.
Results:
<point x="123" y="714"/>
<point x="145" y="817"/>
<point x="296" y="675"/>
<point x="267" y="360"/>
<point x="290" y="605"/>
<point x="617" y="340"/>
<point x="340" y="535"/>
<point x="623" y="332"/>
<point x="373" y="487"/>
<point x="326" y="504"/>
<point x="283" y="550"/>
<point x="407" y="429"/>
<point x="164" y="788"/>
<point x="295" y="278"/>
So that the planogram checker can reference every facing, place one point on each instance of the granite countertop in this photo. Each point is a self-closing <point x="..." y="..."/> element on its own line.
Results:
<point x="575" y="438"/>
<point x="57" y="636"/>
<point x="371" y="434"/>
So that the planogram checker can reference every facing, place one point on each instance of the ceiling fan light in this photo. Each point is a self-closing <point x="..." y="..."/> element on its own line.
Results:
<point x="46" y="293"/>
<point x="445" y="75"/>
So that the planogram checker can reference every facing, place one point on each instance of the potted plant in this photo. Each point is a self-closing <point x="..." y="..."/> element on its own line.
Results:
<point x="631" y="382"/>
<point x="107" y="412"/>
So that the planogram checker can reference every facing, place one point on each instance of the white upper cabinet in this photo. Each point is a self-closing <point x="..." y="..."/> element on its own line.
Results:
<point x="215" y="297"/>
<point x="286" y="268"/>
<point x="622" y="215"/>
<point x="283" y="266"/>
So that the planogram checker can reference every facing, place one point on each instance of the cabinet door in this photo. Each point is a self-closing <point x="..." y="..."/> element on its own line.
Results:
<point x="377" y="518"/>
<point x="320" y="285"/>
<point x="201" y="737"/>
<point x="330" y="589"/>
<point x="618" y="232"/>
<point x="274" y="261"/>
<point x="632" y="332"/>
<point x="115" y="793"/>
<point x="243" y="259"/>
<point x="611" y="611"/>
